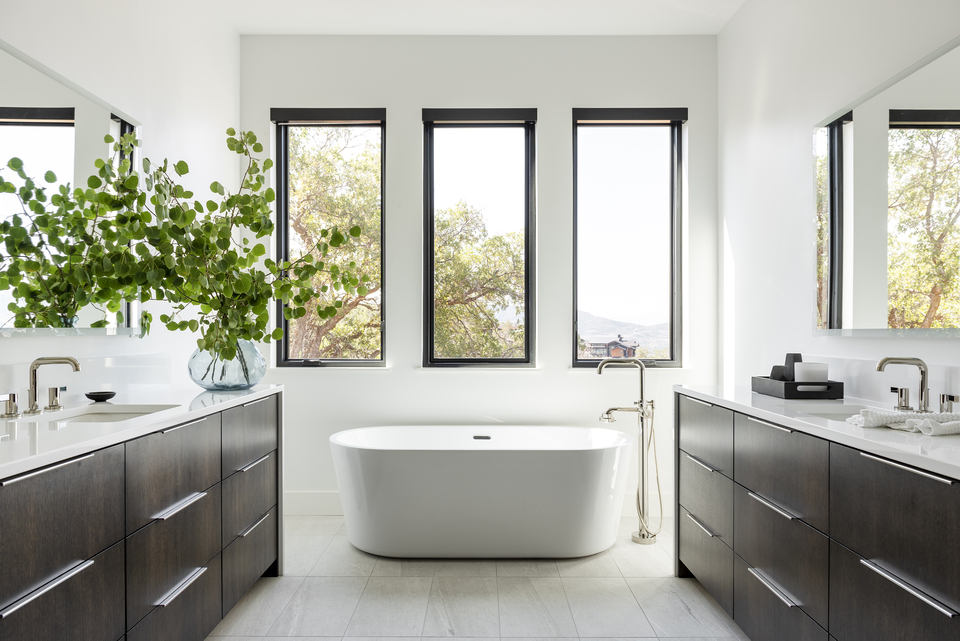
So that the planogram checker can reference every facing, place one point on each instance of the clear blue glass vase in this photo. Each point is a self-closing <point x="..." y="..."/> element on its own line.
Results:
<point x="244" y="371"/>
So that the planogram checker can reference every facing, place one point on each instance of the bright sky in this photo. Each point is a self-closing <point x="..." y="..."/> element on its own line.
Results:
<point x="482" y="166"/>
<point x="41" y="149"/>
<point x="623" y="223"/>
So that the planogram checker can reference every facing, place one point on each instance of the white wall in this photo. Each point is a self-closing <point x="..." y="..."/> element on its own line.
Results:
<point x="177" y="76"/>
<point x="783" y="67"/>
<point x="553" y="74"/>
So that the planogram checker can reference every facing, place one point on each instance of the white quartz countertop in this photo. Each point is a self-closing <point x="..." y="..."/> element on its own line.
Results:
<point x="938" y="454"/>
<point x="30" y="444"/>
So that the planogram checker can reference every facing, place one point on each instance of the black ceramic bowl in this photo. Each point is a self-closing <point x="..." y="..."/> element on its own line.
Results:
<point x="100" y="397"/>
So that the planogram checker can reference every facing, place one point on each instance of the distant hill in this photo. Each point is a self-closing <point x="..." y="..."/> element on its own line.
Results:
<point x="596" y="329"/>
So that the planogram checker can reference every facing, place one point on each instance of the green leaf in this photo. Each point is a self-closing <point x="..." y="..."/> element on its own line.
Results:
<point x="50" y="177"/>
<point x="93" y="182"/>
<point x="355" y="231"/>
<point x="181" y="168"/>
<point x="257" y="148"/>
<point x="231" y="131"/>
<point x="15" y="164"/>
<point x="277" y="334"/>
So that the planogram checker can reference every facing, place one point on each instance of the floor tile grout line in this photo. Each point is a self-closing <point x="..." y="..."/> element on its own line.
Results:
<point x="366" y="582"/>
<point x="642" y="611"/>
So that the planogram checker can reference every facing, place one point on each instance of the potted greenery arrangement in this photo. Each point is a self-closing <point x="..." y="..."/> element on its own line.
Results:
<point x="206" y="258"/>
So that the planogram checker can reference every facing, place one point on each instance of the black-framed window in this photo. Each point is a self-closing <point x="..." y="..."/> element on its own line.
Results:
<point x="923" y="219"/>
<point x="43" y="138"/>
<point x="627" y="216"/>
<point x="330" y="171"/>
<point x="830" y="151"/>
<point x="479" y="212"/>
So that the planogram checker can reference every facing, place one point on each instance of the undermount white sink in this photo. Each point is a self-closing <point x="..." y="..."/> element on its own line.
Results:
<point x="97" y="413"/>
<point x="833" y="412"/>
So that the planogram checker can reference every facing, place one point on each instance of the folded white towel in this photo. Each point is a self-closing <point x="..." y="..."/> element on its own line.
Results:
<point x="927" y="423"/>
<point x="931" y="427"/>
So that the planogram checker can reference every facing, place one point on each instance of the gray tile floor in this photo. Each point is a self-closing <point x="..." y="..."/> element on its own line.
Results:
<point x="333" y="591"/>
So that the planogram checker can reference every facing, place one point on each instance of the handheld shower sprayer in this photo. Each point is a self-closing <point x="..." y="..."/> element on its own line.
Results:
<point x="645" y="412"/>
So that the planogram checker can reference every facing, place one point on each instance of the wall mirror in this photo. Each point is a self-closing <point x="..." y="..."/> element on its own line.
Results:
<point x="887" y="179"/>
<point x="52" y="124"/>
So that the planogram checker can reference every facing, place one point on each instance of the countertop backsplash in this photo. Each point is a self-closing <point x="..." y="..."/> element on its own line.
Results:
<point x="862" y="380"/>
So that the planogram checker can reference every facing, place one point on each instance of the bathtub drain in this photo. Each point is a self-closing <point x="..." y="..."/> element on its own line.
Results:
<point x="481" y="438"/>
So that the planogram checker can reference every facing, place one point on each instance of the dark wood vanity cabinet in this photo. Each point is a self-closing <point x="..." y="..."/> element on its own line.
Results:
<point x="169" y="466"/>
<point x="55" y="518"/>
<point x="707" y="433"/>
<point x="152" y="537"/>
<point x="828" y="541"/>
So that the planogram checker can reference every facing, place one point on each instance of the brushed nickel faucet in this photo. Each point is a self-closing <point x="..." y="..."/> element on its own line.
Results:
<point x="924" y="377"/>
<point x="33" y="407"/>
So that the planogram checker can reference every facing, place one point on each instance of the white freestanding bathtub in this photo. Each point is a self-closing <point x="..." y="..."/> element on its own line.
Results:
<point x="481" y="492"/>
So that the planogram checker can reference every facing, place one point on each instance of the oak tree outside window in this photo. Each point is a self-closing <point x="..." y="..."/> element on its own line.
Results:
<point x="479" y="186"/>
<point x="627" y="204"/>
<point x="330" y="172"/>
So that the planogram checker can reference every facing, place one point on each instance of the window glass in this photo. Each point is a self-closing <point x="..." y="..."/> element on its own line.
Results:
<point x="334" y="176"/>
<point x="625" y="175"/>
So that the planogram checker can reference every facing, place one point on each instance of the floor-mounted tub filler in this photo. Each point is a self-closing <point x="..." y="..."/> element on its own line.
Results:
<point x="481" y="492"/>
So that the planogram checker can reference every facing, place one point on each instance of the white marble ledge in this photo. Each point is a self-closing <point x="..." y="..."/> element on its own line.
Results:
<point x="937" y="454"/>
<point x="34" y="444"/>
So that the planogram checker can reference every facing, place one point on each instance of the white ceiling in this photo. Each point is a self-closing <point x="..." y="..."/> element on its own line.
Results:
<point x="477" y="17"/>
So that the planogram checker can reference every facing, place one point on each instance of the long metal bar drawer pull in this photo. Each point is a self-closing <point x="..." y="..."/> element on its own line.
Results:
<point x="254" y="464"/>
<point x="182" y="505"/>
<point x="700" y="525"/>
<point x="779" y="510"/>
<point x="774" y="426"/>
<point x="254" y="526"/>
<point x="24" y="477"/>
<point x="699" y="462"/>
<point x="697" y="400"/>
<point x="903" y="585"/>
<point x="770" y="586"/>
<point x="907" y="468"/>
<point x="180" y="588"/>
<point x="33" y="596"/>
<point x="261" y="400"/>
<point x="180" y="427"/>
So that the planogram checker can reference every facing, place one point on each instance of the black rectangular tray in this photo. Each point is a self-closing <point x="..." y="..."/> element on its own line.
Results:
<point x="788" y="389"/>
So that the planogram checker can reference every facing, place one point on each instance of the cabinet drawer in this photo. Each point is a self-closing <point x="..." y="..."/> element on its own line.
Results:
<point x="788" y="467"/>
<point x="706" y="431"/>
<point x="866" y="606"/>
<point x="163" y="554"/>
<point x="789" y="553"/>
<point x="249" y="432"/>
<point x="708" y="495"/>
<point x="190" y="616"/>
<point x="763" y="615"/>
<point x="85" y="604"/>
<point x="248" y="494"/>
<point x="57" y="517"/>
<point x="708" y="559"/>
<point x="899" y="519"/>
<point x="167" y="467"/>
<point x="248" y="557"/>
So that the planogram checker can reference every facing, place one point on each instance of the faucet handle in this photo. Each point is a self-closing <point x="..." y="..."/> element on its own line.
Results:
<point x="947" y="401"/>
<point x="903" y="399"/>
<point x="53" y="398"/>
<point x="10" y="409"/>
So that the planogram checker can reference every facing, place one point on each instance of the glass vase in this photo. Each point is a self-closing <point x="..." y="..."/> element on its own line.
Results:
<point x="241" y="372"/>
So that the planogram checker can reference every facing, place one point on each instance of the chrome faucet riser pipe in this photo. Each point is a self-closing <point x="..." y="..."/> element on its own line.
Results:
<point x="642" y="535"/>
<point x="33" y="406"/>
<point x="924" y="405"/>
